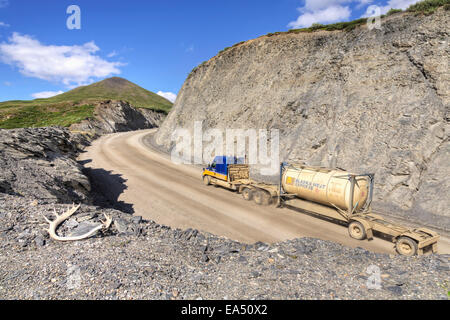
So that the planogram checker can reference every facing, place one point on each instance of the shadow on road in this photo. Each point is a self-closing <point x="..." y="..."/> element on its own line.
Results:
<point x="106" y="188"/>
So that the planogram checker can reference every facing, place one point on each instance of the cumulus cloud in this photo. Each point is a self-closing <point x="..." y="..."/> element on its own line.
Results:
<point x="397" y="4"/>
<point x="329" y="11"/>
<point x="3" y="24"/>
<point x="46" y="94"/>
<point x="70" y="65"/>
<point x="168" y="95"/>
<point x="327" y="15"/>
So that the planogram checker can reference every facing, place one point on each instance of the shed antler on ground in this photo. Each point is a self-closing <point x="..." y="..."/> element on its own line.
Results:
<point x="53" y="225"/>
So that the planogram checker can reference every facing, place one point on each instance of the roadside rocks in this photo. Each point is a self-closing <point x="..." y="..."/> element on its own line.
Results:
<point x="40" y="163"/>
<point x="165" y="263"/>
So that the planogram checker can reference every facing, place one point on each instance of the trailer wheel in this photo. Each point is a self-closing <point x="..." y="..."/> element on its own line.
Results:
<point x="356" y="230"/>
<point x="247" y="194"/>
<point x="406" y="246"/>
<point x="206" y="180"/>
<point x="262" y="197"/>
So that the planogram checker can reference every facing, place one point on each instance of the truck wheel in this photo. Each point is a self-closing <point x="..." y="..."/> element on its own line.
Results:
<point x="406" y="246"/>
<point x="262" y="198"/>
<point x="247" y="194"/>
<point x="206" y="180"/>
<point x="356" y="230"/>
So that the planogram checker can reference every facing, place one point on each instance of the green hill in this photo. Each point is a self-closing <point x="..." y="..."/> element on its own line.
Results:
<point x="77" y="104"/>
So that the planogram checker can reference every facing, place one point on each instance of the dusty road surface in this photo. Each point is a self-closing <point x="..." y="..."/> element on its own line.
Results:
<point x="152" y="186"/>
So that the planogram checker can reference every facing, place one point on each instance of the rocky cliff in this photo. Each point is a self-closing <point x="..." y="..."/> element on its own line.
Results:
<point x="117" y="116"/>
<point x="364" y="100"/>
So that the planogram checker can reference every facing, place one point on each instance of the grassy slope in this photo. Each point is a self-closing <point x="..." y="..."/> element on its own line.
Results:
<point x="77" y="104"/>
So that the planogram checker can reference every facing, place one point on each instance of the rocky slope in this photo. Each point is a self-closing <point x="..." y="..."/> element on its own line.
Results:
<point x="364" y="100"/>
<point x="139" y="259"/>
<point x="117" y="116"/>
<point x="41" y="163"/>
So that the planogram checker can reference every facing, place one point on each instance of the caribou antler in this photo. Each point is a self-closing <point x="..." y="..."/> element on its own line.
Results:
<point x="61" y="218"/>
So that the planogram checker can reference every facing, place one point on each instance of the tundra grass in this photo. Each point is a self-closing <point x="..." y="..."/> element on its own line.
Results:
<point x="42" y="116"/>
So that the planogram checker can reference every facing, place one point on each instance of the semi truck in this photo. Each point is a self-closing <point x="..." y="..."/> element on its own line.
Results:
<point x="332" y="194"/>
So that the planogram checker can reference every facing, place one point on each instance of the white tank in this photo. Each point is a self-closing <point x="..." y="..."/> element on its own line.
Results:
<point x="326" y="186"/>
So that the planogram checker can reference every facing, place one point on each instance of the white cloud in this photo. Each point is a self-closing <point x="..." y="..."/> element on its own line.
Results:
<point x="327" y="15"/>
<point x="7" y="83"/>
<point x="3" y="24"/>
<point x="325" y="11"/>
<point x="112" y="54"/>
<point x="397" y="4"/>
<point x="70" y="65"/>
<point x="46" y="94"/>
<point x="168" y="95"/>
<point x="391" y="4"/>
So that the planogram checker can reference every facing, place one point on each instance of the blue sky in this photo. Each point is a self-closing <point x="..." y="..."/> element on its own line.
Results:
<point x="154" y="43"/>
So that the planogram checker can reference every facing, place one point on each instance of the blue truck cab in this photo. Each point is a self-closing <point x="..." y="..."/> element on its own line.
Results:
<point x="219" y="167"/>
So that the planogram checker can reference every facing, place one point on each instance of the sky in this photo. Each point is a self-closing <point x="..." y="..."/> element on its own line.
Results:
<point x="48" y="47"/>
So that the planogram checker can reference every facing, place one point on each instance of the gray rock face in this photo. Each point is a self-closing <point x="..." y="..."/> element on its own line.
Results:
<point x="118" y="116"/>
<point x="40" y="163"/>
<point x="364" y="100"/>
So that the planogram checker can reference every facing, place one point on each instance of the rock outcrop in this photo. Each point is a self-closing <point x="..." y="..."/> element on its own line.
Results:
<point x="117" y="116"/>
<point x="41" y="163"/>
<point x="364" y="100"/>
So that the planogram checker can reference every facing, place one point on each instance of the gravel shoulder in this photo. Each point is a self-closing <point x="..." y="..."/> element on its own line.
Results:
<point x="151" y="261"/>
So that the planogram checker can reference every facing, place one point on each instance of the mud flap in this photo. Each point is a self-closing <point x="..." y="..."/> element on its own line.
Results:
<point x="367" y="226"/>
<point x="369" y="234"/>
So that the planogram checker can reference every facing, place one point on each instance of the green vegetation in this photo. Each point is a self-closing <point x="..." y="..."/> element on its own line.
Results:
<point x="43" y="116"/>
<point x="346" y="26"/>
<point x="393" y="11"/>
<point x="77" y="104"/>
<point x="428" y="6"/>
<point x="224" y="49"/>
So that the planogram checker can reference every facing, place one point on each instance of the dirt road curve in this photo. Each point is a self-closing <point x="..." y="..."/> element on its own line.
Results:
<point x="174" y="195"/>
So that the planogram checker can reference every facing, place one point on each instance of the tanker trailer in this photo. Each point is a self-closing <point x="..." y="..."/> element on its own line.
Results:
<point x="332" y="187"/>
<point x="345" y="197"/>
<point x="332" y="194"/>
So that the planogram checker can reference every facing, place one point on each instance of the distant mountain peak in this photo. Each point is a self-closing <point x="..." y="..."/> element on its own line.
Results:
<point x="28" y="113"/>
<point x="116" y="81"/>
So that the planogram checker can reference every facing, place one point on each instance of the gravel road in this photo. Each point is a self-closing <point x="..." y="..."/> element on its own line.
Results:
<point x="152" y="186"/>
